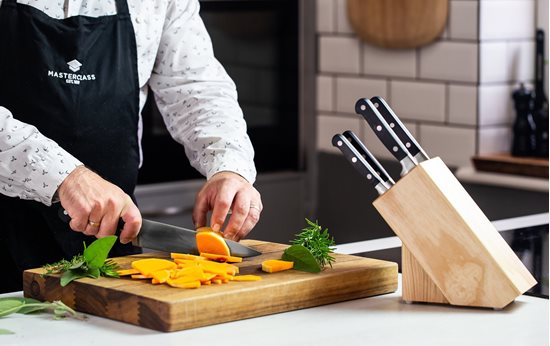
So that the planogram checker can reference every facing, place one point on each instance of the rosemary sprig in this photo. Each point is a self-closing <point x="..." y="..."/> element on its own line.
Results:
<point x="317" y="242"/>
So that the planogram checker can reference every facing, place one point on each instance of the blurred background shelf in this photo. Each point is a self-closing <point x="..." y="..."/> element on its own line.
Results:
<point x="508" y="164"/>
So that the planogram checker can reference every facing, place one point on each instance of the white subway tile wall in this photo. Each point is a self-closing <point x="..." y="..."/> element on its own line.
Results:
<point x="418" y="100"/>
<point x="463" y="104"/>
<point x="349" y="90"/>
<point x="463" y="20"/>
<point x="325" y="94"/>
<point x="329" y="125"/>
<point x="339" y="54"/>
<point x="325" y="16"/>
<point x="455" y="145"/>
<point x="494" y="139"/>
<point x="454" y="94"/>
<point x="389" y="63"/>
<point x="449" y="61"/>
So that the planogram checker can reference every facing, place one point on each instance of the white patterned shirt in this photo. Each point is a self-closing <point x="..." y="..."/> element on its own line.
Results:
<point x="194" y="94"/>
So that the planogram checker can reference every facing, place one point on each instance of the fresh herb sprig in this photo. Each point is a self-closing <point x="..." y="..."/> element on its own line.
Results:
<point x="311" y="249"/>
<point x="11" y="305"/>
<point x="92" y="263"/>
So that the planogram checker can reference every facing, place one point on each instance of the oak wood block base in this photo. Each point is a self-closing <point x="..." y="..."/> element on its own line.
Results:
<point x="452" y="252"/>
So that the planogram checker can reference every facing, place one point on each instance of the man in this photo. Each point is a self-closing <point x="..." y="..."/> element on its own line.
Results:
<point x="73" y="82"/>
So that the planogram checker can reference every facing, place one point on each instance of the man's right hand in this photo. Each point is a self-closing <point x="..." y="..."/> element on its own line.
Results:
<point x="95" y="205"/>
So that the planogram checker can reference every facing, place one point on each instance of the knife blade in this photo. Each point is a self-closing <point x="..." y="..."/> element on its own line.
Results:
<point x="384" y="132"/>
<point x="360" y="164"/>
<point x="399" y="128"/>
<point x="371" y="160"/>
<point x="163" y="237"/>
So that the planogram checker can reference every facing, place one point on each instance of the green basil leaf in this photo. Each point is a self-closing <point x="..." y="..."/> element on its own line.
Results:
<point x="302" y="258"/>
<point x="10" y="305"/>
<point x="93" y="273"/>
<point x="5" y="332"/>
<point x="71" y="275"/>
<point x="96" y="254"/>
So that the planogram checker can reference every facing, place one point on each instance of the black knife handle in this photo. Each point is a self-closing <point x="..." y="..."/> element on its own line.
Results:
<point x="398" y="127"/>
<point x="356" y="160"/>
<point x="381" y="128"/>
<point x="371" y="160"/>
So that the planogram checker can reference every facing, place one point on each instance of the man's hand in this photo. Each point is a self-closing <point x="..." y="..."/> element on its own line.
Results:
<point x="224" y="191"/>
<point x="95" y="205"/>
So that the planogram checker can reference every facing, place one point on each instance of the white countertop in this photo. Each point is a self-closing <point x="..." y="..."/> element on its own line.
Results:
<point x="381" y="320"/>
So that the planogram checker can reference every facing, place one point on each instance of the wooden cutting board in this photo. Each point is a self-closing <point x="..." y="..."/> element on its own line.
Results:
<point x="165" y="308"/>
<point x="398" y="23"/>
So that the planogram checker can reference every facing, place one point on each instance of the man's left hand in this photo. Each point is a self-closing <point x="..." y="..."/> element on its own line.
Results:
<point x="228" y="191"/>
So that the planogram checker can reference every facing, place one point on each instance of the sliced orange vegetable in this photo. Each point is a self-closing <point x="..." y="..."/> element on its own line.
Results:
<point x="247" y="278"/>
<point x="150" y="265"/>
<point x="221" y="258"/>
<point x="273" y="266"/>
<point x="187" y="284"/>
<point x="140" y="276"/>
<point x="161" y="275"/>
<point x="211" y="242"/>
<point x="126" y="272"/>
<point x="185" y="256"/>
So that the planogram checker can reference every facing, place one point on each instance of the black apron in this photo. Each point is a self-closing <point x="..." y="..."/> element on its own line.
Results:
<point x="76" y="80"/>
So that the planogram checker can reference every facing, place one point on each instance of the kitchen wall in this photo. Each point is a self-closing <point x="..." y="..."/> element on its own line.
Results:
<point x="453" y="94"/>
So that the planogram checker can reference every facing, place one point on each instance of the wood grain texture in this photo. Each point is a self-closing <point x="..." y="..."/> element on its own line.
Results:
<point x="416" y="285"/>
<point x="508" y="164"/>
<point x="398" y="23"/>
<point x="164" y="308"/>
<point x="451" y="239"/>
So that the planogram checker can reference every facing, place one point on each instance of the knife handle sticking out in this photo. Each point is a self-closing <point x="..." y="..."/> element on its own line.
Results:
<point x="371" y="160"/>
<point x="399" y="128"/>
<point x="385" y="133"/>
<point x="360" y="164"/>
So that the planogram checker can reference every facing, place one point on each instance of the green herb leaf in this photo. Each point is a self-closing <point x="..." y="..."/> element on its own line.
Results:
<point x="5" y="332"/>
<point x="10" y="305"/>
<point x="96" y="254"/>
<point x="71" y="275"/>
<point x="302" y="258"/>
<point x="31" y="305"/>
<point x="317" y="242"/>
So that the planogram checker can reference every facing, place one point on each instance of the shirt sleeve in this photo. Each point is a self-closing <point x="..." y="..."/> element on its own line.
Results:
<point x="197" y="98"/>
<point x="32" y="166"/>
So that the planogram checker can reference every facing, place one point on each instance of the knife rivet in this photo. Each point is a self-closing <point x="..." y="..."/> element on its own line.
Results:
<point x="363" y="107"/>
<point x="408" y="145"/>
<point x="378" y="128"/>
<point x="354" y="159"/>
<point x="339" y="143"/>
<point x="392" y="125"/>
<point x="395" y="148"/>
<point x="369" y="176"/>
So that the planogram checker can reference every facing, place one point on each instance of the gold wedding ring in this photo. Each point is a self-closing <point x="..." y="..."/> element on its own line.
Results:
<point x="93" y="224"/>
<point x="254" y="206"/>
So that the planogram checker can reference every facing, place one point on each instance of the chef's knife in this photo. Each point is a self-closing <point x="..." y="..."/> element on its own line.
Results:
<point x="360" y="164"/>
<point x="400" y="130"/>
<point x="371" y="160"/>
<point x="384" y="132"/>
<point x="159" y="236"/>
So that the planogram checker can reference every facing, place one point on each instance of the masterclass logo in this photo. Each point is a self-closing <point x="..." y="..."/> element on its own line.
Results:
<point x="72" y="78"/>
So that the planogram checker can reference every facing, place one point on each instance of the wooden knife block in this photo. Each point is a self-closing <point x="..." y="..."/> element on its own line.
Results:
<point x="452" y="254"/>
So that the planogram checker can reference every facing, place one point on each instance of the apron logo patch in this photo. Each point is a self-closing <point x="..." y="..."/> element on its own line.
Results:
<point x="74" y="65"/>
<point x="72" y="78"/>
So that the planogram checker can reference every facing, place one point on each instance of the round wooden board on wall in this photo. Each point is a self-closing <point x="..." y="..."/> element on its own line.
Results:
<point x="398" y="23"/>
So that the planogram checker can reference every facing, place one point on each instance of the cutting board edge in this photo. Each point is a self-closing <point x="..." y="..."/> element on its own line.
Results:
<point x="129" y="305"/>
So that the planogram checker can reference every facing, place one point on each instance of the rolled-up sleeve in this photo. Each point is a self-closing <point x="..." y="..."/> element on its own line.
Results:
<point x="197" y="98"/>
<point x="32" y="166"/>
